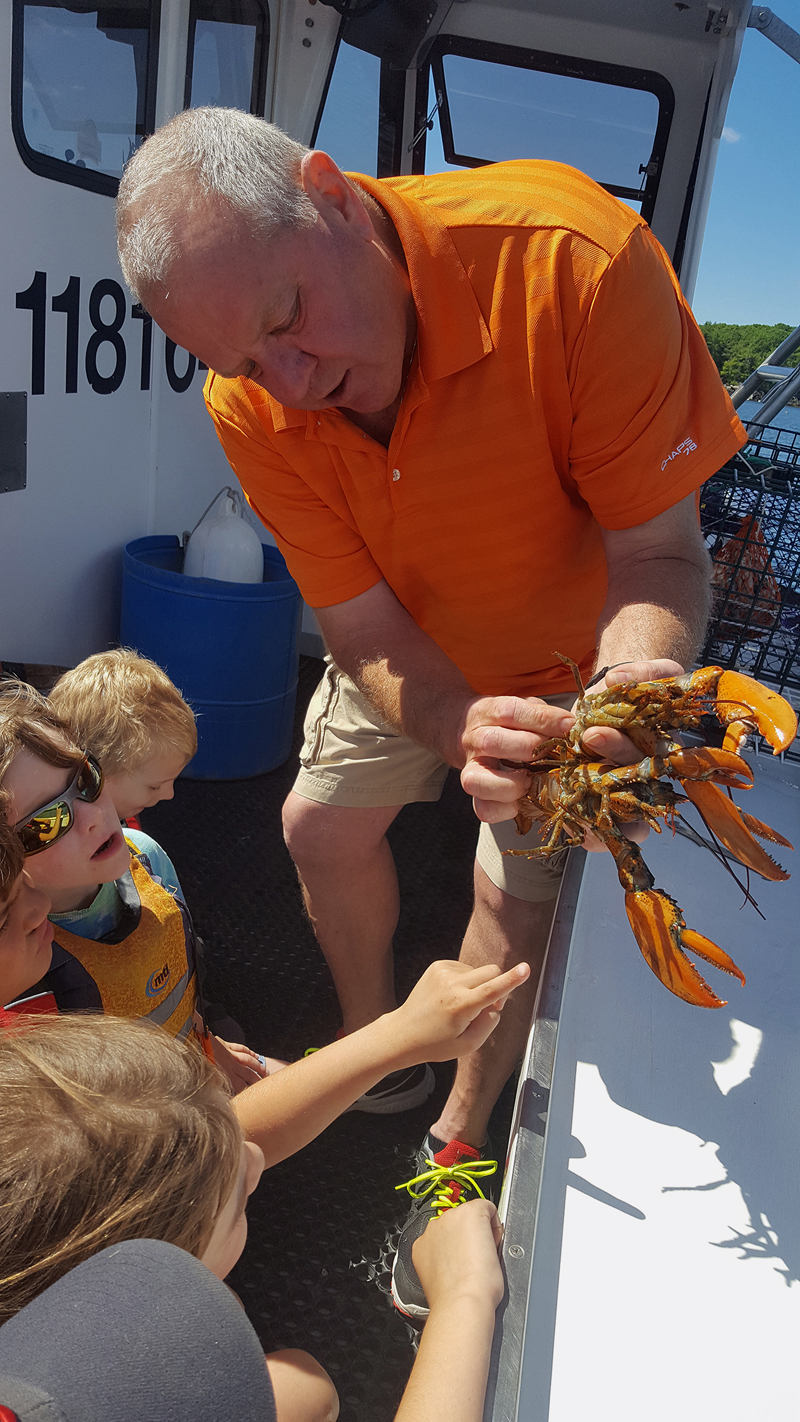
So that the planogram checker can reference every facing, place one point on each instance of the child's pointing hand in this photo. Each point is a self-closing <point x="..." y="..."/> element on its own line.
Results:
<point x="453" y="1009"/>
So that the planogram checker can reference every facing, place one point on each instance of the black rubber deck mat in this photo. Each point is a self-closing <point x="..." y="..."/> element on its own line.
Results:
<point x="315" y="1272"/>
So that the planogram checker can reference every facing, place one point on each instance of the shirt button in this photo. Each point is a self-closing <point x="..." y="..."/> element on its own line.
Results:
<point x="395" y="475"/>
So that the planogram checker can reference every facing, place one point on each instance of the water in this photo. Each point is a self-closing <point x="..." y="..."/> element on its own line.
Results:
<point x="788" y="419"/>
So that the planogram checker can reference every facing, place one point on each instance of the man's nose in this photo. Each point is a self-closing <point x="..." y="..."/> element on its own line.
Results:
<point x="286" y="374"/>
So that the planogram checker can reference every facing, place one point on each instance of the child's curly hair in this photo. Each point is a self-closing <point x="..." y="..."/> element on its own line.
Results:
<point x="124" y="709"/>
<point x="110" y="1130"/>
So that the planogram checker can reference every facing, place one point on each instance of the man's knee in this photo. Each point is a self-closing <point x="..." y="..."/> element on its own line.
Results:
<point x="520" y="920"/>
<point x="324" y="836"/>
<point x="306" y="830"/>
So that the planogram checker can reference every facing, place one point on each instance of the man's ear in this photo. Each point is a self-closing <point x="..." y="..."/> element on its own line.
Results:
<point x="333" y="196"/>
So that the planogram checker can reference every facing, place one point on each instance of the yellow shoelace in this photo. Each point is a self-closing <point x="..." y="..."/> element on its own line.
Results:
<point x="441" y="1177"/>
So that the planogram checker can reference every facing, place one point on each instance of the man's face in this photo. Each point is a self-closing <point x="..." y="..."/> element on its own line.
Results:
<point x="318" y="317"/>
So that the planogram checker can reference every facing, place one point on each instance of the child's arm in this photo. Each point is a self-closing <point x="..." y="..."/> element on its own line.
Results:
<point x="456" y="1260"/>
<point x="451" y="1011"/>
<point x="303" y="1390"/>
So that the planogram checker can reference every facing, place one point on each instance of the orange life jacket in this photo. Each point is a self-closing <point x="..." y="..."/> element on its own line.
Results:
<point x="151" y="971"/>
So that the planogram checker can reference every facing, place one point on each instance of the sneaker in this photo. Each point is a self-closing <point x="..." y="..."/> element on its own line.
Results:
<point x="399" y="1091"/>
<point x="449" y="1177"/>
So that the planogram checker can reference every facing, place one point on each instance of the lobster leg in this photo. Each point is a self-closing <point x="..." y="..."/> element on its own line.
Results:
<point x="660" y="930"/>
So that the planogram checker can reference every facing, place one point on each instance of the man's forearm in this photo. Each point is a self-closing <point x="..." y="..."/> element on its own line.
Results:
<point x="656" y="608"/>
<point x="403" y="673"/>
<point x="424" y="702"/>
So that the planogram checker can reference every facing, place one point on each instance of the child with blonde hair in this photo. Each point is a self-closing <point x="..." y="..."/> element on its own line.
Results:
<point x="127" y="713"/>
<point x="112" y="1131"/>
<point x="124" y="941"/>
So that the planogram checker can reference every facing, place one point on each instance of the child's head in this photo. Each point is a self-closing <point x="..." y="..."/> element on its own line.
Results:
<point x="56" y="800"/>
<point x="126" y="712"/>
<point x="112" y="1130"/>
<point x="25" y="934"/>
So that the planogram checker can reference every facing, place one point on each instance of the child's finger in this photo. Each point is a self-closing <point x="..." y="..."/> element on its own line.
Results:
<point x="497" y="1228"/>
<point x="498" y="987"/>
<point x="479" y="1029"/>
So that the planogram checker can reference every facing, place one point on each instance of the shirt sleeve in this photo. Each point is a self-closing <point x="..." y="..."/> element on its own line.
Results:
<point x="160" y="862"/>
<point x="652" y="420"/>
<point x="307" y="513"/>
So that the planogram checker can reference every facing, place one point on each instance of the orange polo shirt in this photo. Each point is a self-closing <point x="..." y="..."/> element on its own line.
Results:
<point x="560" y="383"/>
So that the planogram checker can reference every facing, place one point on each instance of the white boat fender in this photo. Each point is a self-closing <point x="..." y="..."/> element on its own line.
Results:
<point x="223" y="545"/>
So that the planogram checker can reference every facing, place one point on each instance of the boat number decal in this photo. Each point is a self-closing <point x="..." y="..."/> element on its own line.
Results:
<point x="106" y="355"/>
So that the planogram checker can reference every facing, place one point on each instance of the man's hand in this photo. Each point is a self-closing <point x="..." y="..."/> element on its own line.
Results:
<point x="613" y="745"/>
<point x="456" y="1257"/>
<point x="451" y="1011"/>
<point x="498" y="729"/>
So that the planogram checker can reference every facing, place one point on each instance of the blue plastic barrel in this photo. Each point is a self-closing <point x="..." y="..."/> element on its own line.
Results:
<point x="230" y="648"/>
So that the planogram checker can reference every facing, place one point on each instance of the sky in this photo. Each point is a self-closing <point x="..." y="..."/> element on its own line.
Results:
<point x="750" y="264"/>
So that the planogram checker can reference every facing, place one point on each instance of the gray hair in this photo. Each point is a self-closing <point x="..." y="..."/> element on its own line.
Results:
<point x="249" y="165"/>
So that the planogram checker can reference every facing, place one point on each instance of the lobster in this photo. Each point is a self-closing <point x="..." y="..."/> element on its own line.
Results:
<point x="570" y="790"/>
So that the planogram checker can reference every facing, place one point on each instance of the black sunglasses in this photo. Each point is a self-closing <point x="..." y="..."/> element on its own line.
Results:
<point x="55" y="819"/>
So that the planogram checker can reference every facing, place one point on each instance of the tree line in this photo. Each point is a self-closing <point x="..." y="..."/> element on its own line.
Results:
<point x="738" y="350"/>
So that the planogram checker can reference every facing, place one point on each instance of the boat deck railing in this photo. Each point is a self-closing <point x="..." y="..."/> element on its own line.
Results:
<point x="750" y="516"/>
<point x="784" y="380"/>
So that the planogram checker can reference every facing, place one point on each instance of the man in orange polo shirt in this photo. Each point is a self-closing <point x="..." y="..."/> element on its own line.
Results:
<point x="474" y="410"/>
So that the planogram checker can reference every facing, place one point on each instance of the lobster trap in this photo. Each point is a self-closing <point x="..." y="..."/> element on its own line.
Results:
<point x="750" y="516"/>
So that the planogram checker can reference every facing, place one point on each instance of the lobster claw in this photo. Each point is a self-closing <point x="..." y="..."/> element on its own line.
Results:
<point x="743" y="706"/>
<point x="735" y="829"/>
<point x="660" y="930"/>
<point x="708" y="763"/>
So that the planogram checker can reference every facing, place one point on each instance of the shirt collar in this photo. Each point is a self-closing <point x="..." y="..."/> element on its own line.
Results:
<point x="451" y="332"/>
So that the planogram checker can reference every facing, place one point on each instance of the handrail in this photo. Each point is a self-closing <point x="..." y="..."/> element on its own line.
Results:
<point x="787" y="383"/>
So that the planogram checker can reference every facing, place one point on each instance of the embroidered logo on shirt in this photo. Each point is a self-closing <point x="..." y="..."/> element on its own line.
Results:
<point x="158" y="981"/>
<point x="687" y="447"/>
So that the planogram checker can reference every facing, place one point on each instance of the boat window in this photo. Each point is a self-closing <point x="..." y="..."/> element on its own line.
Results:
<point x="83" y="86"/>
<point x="228" y="54"/>
<point x="347" y="128"/>
<point x="487" y="103"/>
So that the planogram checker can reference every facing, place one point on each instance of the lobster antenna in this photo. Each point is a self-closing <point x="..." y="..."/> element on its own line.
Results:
<point x="719" y="853"/>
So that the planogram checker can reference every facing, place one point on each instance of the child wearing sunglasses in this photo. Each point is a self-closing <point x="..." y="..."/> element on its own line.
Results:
<point x="111" y="1131"/>
<point x="25" y="933"/>
<point x="123" y="939"/>
<point x="125" y="711"/>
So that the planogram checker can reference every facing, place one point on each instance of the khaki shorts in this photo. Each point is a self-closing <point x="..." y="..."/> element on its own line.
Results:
<point x="353" y="759"/>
